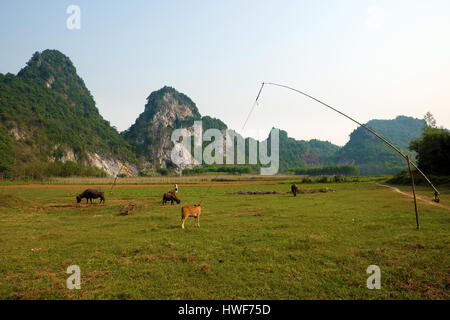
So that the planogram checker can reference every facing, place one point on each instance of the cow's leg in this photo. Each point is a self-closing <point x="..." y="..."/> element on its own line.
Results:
<point x="182" y="223"/>
<point x="87" y="200"/>
<point x="198" y="221"/>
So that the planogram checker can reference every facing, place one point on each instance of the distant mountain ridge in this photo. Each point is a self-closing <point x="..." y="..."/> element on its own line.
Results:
<point x="300" y="153"/>
<point x="48" y="114"/>
<point x="167" y="109"/>
<point x="373" y="156"/>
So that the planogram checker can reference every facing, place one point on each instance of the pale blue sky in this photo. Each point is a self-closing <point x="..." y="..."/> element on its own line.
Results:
<point x="373" y="59"/>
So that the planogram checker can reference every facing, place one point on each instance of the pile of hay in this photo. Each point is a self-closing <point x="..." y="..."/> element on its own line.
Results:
<point x="322" y="190"/>
<point x="127" y="210"/>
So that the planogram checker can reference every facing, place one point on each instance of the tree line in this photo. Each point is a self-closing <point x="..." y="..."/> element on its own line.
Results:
<point x="343" y="170"/>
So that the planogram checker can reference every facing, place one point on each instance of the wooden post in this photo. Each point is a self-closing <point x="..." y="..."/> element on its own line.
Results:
<point x="115" y="179"/>
<point x="414" y="191"/>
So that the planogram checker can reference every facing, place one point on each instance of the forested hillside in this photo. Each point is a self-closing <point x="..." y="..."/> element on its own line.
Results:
<point x="300" y="153"/>
<point x="167" y="109"/>
<point x="373" y="156"/>
<point x="47" y="113"/>
<point x="49" y="117"/>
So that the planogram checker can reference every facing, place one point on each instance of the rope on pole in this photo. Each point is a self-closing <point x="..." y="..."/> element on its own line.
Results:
<point x="253" y="107"/>
<point x="436" y="192"/>
<point x="406" y="157"/>
<point x="117" y="175"/>
<point x="242" y="129"/>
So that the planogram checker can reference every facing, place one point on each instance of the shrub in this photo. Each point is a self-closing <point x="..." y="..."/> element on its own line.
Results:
<point x="41" y="170"/>
<point x="229" y="169"/>
<point x="306" y="180"/>
<point x="163" y="171"/>
<point x="404" y="178"/>
<point x="344" y="170"/>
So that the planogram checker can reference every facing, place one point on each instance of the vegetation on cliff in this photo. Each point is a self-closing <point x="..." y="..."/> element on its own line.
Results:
<point x="45" y="110"/>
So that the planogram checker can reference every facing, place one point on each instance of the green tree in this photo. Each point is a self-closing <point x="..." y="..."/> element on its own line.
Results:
<point x="433" y="151"/>
<point x="430" y="122"/>
<point x="6" y="159"/>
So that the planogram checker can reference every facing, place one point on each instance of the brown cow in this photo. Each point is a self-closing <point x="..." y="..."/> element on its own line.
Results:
<point x="191" y="211"/>
<point x="170" y="196"/>
<point x="294" y="189"/>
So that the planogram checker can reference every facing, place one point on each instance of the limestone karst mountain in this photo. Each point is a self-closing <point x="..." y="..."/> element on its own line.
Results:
<point x="47" y="115"/>
<point x="167" y="109"/>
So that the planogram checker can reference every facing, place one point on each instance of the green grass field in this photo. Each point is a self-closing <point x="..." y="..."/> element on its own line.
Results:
<point x="314" y="246"/>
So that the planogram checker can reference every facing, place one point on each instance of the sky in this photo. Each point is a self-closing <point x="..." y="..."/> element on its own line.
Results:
<point x="372" y="59"/>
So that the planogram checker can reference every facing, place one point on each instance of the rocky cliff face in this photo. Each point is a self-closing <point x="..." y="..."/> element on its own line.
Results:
<point x="166" y="110"/>
<point x="111" y="165"/>
<point x="48" y="114"/>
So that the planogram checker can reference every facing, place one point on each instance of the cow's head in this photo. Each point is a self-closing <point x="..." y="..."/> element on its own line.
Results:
<point x="78" y="198"/>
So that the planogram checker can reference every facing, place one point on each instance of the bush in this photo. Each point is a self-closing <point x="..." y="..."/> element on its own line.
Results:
<point x="344" y="170"/>
<point x="41" y="170"/>
<point x="433" y="151"/>
<point x="404" y="178"/>
<point x="306" y="180"/>
<point x="163" y="171"/>
<point x="323" y="180"/>
<point x="229" y="169"/>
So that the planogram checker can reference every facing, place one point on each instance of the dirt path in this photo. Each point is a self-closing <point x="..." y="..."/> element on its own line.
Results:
<point x="419" y="198"/>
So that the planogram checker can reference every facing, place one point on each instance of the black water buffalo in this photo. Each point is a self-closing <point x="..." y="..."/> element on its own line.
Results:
<point x="90" y="194"/>
<point x="294" y="189"/>
<point x="170" y="196"/>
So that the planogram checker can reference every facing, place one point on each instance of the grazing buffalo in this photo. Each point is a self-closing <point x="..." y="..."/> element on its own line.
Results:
<point x="191" y="211"/>
<point x="294" y="189"/>
<point x="170" y="196"/>
<point x="90" y="194"/>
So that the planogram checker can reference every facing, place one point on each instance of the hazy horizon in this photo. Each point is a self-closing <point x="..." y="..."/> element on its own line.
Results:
<point x="370" y="59"/>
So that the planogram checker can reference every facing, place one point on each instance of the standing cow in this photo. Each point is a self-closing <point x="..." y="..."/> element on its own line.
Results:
<point x="294" y="189"/>
<point x="90" y="194"/>
<point x="191" y="211"/>
<point x="170" y="196"/>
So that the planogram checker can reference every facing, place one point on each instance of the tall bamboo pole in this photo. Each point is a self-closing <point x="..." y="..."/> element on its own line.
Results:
<point x="406" y="157"/>
<point x="414" y="191"/>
